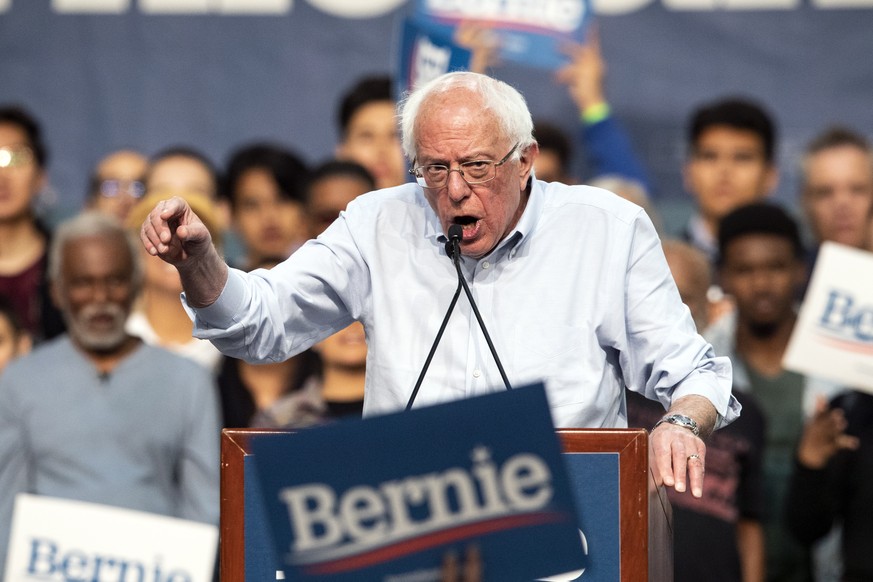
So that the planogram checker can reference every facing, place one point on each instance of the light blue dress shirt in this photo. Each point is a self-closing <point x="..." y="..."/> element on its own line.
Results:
<point x="578" y="295"/>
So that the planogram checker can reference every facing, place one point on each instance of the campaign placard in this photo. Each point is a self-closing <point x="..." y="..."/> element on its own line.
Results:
<point x="62" y="539"/>
<point x="529" y="33"/>
<point x="389" y="497"/>
<point x="425" y="54"/>
<point x="833" y="336"/>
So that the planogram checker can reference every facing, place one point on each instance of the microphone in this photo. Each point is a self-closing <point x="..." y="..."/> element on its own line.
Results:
<point x="456" y="232"/>
<point x="454" y="252"/>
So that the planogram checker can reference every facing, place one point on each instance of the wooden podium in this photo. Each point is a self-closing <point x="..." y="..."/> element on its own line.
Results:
<point x="641" y="549"/>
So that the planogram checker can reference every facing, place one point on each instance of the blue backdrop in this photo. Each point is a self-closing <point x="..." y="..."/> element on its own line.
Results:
<point x="216" y="79"/>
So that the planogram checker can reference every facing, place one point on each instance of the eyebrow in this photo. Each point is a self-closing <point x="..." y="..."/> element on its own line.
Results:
<point x="471" y="158"/>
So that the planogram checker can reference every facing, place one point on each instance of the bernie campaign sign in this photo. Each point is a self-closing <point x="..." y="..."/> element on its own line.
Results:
<point x="424" y="55"/>
<point x="391" y="496"/>
<point x="833" y="337"/>
<point x="529" y="33"/>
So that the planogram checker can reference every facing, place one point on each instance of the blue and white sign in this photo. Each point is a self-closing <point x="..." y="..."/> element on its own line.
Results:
<point x="530" y="33"/>
<point x="425" y="55"/>
<point x="833" y="337"/>
<point x="62" y="540"/>
<point x="390" y="496"/>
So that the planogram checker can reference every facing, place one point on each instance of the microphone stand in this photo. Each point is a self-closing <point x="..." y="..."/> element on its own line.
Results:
<point x="453" y="250"/>
<point x="456" y="258"/>
<point x="434" y="347"/>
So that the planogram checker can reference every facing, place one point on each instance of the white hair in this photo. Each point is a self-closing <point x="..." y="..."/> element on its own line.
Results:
<point x="89" y="224"/>
<point x="504" y="101"/>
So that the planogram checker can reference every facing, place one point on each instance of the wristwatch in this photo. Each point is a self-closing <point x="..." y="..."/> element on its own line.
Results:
<point x="680" y="420"/>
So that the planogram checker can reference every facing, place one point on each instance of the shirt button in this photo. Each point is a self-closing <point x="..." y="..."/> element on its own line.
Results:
<point x="477" y="373"/>
<point x="486" y="264"/>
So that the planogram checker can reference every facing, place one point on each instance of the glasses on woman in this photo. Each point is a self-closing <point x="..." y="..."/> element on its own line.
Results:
<point x="115" y="188"/>
<point x="15" y="156"/>
<point x="435" y="176"/>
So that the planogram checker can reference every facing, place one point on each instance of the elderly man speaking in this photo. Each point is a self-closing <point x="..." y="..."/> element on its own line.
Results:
<point x="571" y="281"/>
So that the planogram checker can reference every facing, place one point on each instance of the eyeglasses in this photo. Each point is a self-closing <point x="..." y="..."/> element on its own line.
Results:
<point x="435" y="176"/>
<point x="114" y="188"/>
<point x="15" y="156"/>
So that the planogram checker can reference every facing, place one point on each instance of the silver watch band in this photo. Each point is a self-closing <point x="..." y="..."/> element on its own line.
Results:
<point x="680" y="420"/>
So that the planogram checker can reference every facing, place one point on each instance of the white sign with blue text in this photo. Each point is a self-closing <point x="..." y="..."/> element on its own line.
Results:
<point x="63" y="540"/>
<point x="833" y="337"/>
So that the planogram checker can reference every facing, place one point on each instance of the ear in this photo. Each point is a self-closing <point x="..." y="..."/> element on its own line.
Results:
<point x="526" y="163"/>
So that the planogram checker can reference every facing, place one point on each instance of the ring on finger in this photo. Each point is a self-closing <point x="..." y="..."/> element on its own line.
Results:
<point x="694" y="456"/>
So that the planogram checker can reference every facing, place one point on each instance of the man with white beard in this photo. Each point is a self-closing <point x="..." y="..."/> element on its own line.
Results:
<point x="96" y="415"/>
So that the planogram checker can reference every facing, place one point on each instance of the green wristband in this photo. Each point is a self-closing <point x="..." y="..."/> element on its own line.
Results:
<point x="595" y="113"/>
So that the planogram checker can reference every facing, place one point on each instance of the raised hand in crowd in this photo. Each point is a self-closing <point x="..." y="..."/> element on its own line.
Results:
<point x="480" y="40"/>
<point x="585" y="72"/>
<point x="823" y="436"/>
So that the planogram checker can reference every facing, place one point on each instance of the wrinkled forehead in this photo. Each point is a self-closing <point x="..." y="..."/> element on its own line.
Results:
<point x="456" y="111"/>
<point x="440" y="104"/>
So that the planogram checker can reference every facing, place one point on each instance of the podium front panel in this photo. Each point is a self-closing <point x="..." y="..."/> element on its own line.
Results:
<point x="624" y="518"/>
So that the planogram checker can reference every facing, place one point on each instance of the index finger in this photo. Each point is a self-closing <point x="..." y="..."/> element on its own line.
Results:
<point x="156" y="232"/>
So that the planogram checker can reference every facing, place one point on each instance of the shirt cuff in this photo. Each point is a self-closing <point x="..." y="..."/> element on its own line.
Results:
<point x="222" y="313"/>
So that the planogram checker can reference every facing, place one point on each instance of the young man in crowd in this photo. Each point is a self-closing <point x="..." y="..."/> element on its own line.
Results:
<point x="731" y="163"/>
<point x="762" y="268"/>
<point x="264" y="184"/>
<point x="369" y="135"/>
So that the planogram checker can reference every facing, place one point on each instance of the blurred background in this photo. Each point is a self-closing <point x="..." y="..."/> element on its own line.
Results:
<point x="106" y="74"/>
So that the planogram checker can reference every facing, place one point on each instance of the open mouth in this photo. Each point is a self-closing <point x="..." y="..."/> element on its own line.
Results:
<point x="469" y="224"/>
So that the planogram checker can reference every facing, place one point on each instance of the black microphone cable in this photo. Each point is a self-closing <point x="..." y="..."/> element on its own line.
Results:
<point x="455" y="232"/>
<point x="435" y="342"/>
<point x="454" y="252"/>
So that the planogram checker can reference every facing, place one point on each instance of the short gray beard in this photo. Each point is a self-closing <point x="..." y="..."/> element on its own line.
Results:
<point x="98" y="342"/>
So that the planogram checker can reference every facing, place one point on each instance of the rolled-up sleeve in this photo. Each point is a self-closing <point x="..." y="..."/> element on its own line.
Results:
<point x="271" y="315"/>
<point x="665" y="358"/>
